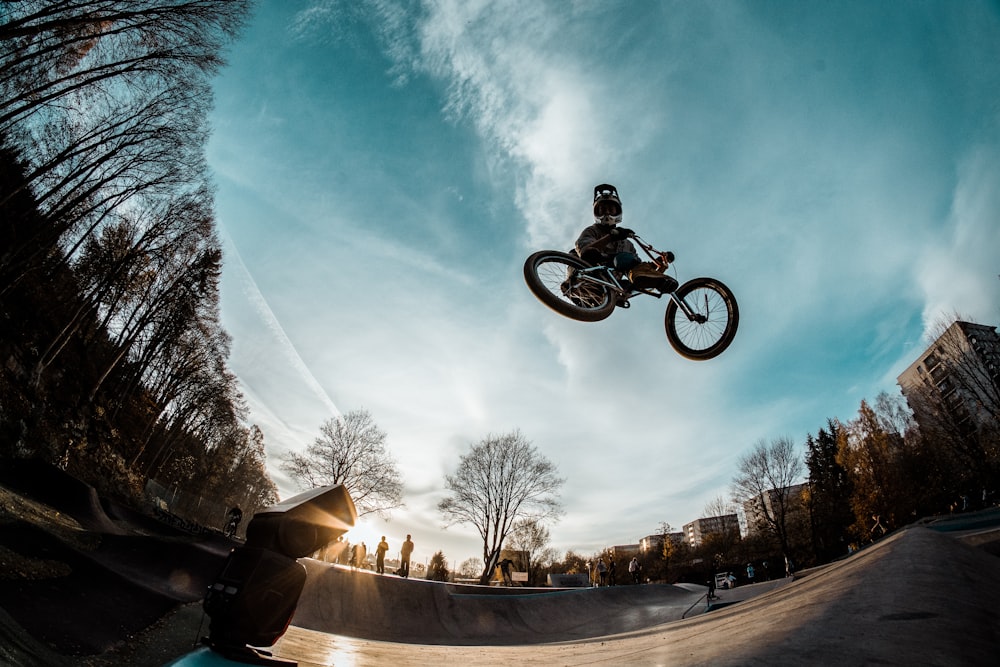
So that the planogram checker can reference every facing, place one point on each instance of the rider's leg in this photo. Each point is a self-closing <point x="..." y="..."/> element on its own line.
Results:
<point x="646" y="276"/>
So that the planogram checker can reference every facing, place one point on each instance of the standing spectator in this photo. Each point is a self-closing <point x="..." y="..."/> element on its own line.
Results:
<point x="789" y="568"/>
<point x="633" y="569"/>
<point x="346" y="551"/>
<point x="233" y="518"/>
<point x="750" y="573"/>
<point x="505" y="571"/>
<point x="380" y="550"/>
<point x="611" y="572"/>
<point x="602" y="572"/>
<point x="362" y="556"/>
<point x="404" y="561"/>
<point x="767" y="575"/>
<point x="877" y="526"/>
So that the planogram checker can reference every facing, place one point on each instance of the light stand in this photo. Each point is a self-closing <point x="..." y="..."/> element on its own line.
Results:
<point x="252" y="600"/>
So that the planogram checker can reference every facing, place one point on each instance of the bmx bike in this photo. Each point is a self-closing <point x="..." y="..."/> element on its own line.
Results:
<point x="701" y="317"/>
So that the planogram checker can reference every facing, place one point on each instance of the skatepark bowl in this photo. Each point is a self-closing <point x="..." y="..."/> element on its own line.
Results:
<point x="924" y="595"/>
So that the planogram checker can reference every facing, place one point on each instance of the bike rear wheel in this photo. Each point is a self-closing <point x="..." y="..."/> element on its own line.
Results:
<point x="551" y="278"/>
<point x="713" y="325"/>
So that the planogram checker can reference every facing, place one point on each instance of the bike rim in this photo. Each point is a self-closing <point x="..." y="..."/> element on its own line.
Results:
<point x="699" y="336"/>
<point x="583" y="295"/>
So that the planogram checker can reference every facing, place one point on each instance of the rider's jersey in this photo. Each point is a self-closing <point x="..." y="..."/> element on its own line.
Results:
<point x="609" y="249"/>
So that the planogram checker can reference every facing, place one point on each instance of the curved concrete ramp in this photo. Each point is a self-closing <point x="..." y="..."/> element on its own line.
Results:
<point x="918" y="597"/>
<point x="361" y="604"/>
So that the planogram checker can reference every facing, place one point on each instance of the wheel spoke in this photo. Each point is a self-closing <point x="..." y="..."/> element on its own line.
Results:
<point x="708" y="304"/>
<point x="556" y="278"/>
<point x="712" y="324"/>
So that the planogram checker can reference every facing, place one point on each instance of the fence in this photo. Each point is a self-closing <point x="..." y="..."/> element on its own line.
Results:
<point x="189" y="511"/>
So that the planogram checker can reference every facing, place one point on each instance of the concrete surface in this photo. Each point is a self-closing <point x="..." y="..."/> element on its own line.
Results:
<point x="364" y="605"/>
<point x="917" y="597"/>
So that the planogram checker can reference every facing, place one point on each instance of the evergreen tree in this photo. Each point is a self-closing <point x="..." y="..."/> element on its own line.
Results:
<point x="438" y="568"/>
<point x="829" y="494"/>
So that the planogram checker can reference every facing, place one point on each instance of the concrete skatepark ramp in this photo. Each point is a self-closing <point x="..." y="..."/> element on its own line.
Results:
<point x="917" y="597"/>
<point x="361" y="604"/>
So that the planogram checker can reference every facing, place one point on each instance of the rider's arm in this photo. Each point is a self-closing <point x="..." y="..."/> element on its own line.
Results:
<point x="596" y="238"/>
<point x="588" y="237"/>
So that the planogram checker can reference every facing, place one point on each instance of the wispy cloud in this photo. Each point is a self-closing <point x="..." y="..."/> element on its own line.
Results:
<point x="960" y="270"/>
<point x="282" y="343"/>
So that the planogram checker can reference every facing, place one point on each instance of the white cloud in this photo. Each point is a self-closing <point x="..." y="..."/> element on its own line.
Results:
<point x="959" y="270"/>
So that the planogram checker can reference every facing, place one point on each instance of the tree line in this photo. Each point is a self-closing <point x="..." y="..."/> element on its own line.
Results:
<point x="855" y="482"/>
<point x="114" y="358"/>
<point x="897" y="461"/>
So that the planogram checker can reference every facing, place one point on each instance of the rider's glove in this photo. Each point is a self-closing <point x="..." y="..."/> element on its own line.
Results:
<point x="591" y="256"/>
<point x="618" y="233"/>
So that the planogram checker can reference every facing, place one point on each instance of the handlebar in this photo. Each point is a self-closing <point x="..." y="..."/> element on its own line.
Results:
<point x="661" y="258"/>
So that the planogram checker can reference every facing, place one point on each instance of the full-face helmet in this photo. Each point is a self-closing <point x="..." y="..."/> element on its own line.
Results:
<point x="607" y="205"/>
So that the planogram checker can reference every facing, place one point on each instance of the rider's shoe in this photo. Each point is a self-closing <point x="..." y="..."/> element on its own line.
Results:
<point x="668" y="285"/>
<point x="645" y="276"/>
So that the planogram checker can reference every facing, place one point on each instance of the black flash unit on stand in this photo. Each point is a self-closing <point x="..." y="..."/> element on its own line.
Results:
<point x="252" y="600"/>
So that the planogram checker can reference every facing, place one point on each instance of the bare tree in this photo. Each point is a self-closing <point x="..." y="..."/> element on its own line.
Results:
<point x="530" y="537"/>
<point x="469" y="568"/>
<point x="106" y="102"/>
<point x="501" y="480"/>
<point x="719" y="506"/>
<point x="351" y="451"/>
<point x="765" y="478"/>
<point x="103" y="113"/>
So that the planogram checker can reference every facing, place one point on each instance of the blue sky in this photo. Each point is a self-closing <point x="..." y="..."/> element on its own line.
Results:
<point x="384" y="168"/>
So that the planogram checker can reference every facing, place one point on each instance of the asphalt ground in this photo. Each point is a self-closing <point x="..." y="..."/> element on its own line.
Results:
<point x="917" y="597"/>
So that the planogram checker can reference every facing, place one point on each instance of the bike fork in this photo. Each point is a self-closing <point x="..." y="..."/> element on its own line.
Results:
<point x="688" y="311"/>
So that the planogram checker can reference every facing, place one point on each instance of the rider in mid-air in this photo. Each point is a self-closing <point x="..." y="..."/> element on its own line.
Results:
<point x="604" y="242"/>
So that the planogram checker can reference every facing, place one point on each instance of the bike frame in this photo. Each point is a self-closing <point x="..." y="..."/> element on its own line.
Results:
<point x="605" y="275"/>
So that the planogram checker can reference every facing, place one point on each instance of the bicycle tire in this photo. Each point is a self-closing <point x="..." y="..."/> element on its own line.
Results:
<point x="546" y="272"/>
<point x="700" y="341"/>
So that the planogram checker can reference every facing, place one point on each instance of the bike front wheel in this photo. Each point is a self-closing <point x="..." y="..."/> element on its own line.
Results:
<point x="711" y="325"/>
<point x="552" y="276"/>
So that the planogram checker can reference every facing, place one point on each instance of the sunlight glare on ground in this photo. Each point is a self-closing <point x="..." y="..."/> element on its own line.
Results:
<point x="319" y="648"/>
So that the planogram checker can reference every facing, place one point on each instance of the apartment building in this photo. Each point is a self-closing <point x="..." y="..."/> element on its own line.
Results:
<point x="961" y="369"/>
<point x="699" y="529"/>
<point x="758" y="508"/>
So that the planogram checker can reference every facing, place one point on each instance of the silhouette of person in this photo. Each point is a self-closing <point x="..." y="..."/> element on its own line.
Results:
<point x="362" y="555"/>
<point x="380" y="550"/>
<point x="611" y="572"/>
<point x="233" y="518"/>
<point x="602" y="572"/>
<point x="404" y="561"/>
<point x="877" y="526"/>
<point x="505" y="571"/>
<point x="604" y="242"/>
<point x="633" y="569"/>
